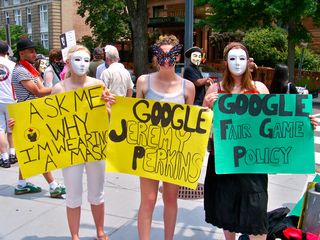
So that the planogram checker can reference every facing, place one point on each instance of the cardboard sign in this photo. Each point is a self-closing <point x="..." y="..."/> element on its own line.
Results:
<point x="263" y="133"/>
<point x="60" y="130"/>
<point x="67" y="40"/>
<point x="158" y="140"/>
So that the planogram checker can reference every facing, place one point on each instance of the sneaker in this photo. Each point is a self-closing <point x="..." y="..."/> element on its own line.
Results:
<point x="29" y="188"/>
<point x="58" y="191"/>
<point x="13" y="158"/>
<point x="5" y="163"/>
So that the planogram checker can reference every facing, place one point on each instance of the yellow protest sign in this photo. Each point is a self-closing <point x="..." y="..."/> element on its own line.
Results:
<point x="60" y="130"/>
<point x="158" y="140"/>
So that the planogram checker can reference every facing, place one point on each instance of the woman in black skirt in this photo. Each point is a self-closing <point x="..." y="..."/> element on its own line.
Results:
<point x="236" y="202"/>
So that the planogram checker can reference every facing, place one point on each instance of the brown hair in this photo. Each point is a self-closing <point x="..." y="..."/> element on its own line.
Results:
<point x="55" y="54"/>
<point x="227" y="83"/>
<point x="167" y="40"/>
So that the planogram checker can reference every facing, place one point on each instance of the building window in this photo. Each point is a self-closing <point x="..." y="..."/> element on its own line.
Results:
<point x="43" y="18"/>
<point x="7" y="18"/>
<point x="17" y="17"/>
<point x="6" y="3"/>
<point x="29" y="21"/>
<point x="30" y="36"/>
<point x="45" y="40"/>
<point x="16" y="2"/>
<point x="157" y="11"/>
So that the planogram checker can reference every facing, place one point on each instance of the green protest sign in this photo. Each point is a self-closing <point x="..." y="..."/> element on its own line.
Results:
<point x="263" y="133"/>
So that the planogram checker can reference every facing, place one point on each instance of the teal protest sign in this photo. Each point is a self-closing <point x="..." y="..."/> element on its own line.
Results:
<point x="263" y="133"/>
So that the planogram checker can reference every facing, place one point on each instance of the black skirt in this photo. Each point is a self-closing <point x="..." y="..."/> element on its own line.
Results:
<point x="236" y="202"/>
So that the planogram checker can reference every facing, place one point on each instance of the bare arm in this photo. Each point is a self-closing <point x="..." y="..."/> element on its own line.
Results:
<point x="190" y="92"/>
<point x="261" y="88"/>
<point x="48" y="79"/>
<point x="36" y="89"/>
<point x="141" y="86"/>
<point x="129" y="93"/>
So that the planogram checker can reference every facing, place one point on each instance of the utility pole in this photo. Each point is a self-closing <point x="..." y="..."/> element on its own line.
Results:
<point x="188" y="27"/>
<point x="8" y="35"/>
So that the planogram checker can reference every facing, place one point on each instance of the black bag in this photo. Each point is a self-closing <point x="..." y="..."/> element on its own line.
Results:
<point x="278" y="221"/>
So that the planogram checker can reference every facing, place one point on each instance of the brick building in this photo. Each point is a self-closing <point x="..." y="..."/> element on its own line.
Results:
<point x="44" y="20"/>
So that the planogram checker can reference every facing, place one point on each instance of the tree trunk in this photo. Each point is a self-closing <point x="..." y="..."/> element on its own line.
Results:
<point x="139" y="23"/>
<point x="291" y="49"/>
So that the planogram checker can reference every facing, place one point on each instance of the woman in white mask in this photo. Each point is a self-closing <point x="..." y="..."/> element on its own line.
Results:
<point x="236" y="202"/>
<point x="78" y="60"/>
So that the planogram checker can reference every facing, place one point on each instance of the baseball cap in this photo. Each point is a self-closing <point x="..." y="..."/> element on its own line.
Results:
<point x="3" y="47"/>
<point x="25" y="43"/>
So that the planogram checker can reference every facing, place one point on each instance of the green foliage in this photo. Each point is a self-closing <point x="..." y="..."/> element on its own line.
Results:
<point x="108" y="19"/>
<point x="89" y="42"/>
<point x="198" y="3"/>
<point x="41" y="49"/>
<point x="311" y="61"/>
<point x="268" y="46"/>
<point x="313" y="85"/>
<point x="16" y="32"/>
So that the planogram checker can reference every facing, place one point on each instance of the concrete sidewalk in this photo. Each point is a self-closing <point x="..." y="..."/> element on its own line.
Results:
<point x="38" y="217"/>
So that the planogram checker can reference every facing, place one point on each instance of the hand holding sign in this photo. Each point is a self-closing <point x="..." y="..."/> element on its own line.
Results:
<point x="211" y="95"/>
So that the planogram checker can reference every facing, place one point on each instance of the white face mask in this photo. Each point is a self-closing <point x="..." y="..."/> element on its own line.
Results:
<point x="80" y="61"/>
<point x="237" y="61"/>
<point x="196" y="58"/>
<point x="43" y="65"/>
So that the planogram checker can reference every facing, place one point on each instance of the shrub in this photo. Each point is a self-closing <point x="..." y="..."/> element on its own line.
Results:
<point x="268" y="46"/>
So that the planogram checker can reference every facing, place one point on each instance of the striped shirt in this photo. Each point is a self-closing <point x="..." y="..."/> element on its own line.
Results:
<point x="20" y="73"/>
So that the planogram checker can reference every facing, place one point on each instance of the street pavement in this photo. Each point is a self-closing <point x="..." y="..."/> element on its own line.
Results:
<point x="39" y="217"/>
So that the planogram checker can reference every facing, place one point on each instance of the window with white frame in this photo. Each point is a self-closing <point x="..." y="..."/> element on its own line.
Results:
<point x="5" y="3"/>
<point x="16" y="2"/>
<point x="45" y="40"/>
<point x="29" y="21"/>
<point x="43" y="18"/>
<point x="17" y="17"/>
<point x="7" y="18"/>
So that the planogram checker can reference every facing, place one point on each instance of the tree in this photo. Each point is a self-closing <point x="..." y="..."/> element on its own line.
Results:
<point x="16" y="32"/>
<point x="112" y="21"/>
<point x="246" y="14"/>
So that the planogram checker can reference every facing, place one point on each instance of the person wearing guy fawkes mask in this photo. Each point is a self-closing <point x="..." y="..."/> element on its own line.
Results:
<point x="52" y="72"/>
<point x="193" y="74"/>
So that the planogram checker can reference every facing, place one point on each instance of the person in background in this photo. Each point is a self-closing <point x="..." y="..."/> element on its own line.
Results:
<point x="52" y="73"/>
<point x="98" y="56"/>
<point x="27" y="86"/>
<point x="78" y="61"/>
<point x="193" y="73"/>
<point x="116" y="78"/>
<point x="164" y="85"/>
<point x="7" y="150"/>
<point x="253" y="68"/>
<point x="280" y="81"/>
<point x="103" y="66"/>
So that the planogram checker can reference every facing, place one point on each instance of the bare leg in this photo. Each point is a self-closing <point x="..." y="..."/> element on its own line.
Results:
<point x="170" y="195"/>
<point x="10" y="142"/>
<point x="148" y="194"/>
<point x="258" y="237"/>
<point x="49" y="177"/>
<point x="3" y="143"/>
<point x="73" y="215"/>
<point x="98" y="217"/>
<point x="229" y="235"/>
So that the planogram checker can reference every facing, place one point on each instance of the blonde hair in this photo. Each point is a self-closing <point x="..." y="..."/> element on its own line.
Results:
<point x="71" y="51"/>
<point x="76" y="48"/>
<point x="228" y="83"/>
<point x="167" y="40"/>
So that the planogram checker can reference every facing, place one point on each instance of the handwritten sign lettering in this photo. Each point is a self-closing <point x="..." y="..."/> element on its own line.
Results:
<point x="158" y="140"/>
<point x="263" y="134"/>
<point x="60" y="130"/>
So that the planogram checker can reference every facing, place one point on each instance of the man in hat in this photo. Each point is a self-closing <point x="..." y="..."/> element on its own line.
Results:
<point x="28" y="85"/>
<point x="98" y="56"/>
<point x="6" y="98"/>
<point x="193" y="74"/>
